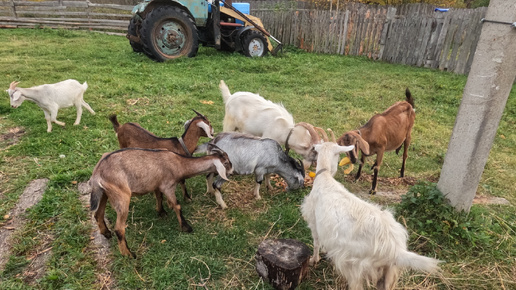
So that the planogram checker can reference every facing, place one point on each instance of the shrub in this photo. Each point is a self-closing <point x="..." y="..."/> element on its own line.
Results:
<point x="430" y="217"/>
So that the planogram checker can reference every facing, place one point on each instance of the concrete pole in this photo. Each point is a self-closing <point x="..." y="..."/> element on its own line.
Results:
<point x="489" y="83"/>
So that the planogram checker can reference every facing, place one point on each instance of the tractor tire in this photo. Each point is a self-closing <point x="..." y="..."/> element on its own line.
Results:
<point x="168" y="33"/>
<point x="133" y="29"/>
<point x="254" y="44"/>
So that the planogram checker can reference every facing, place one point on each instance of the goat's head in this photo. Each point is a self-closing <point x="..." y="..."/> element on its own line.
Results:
<point x="201" y="122"/>
<point x="354" y="138"/>
<point x="293" y="172"/>
<point x="222" y="164"/>
<point x="329" y="154"/>
<point x="15" y="96"/>
<point x="302" y="140"/>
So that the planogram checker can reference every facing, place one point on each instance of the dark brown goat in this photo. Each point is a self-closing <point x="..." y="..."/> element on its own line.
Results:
<point x="384" y="132"/>
<point x="135" y="171"/>
<point x="132" y="135"/>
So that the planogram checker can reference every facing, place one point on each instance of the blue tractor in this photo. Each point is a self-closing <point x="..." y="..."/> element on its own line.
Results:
<point x="168" y="29"/>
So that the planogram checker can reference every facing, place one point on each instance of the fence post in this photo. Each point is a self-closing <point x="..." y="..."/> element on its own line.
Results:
<point x="483" y="101"/>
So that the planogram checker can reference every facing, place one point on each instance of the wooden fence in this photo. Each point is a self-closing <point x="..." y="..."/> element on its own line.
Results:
<point x="444" y="40"/>
<point x="78" y="14"/>
<point x="410" y="34"/>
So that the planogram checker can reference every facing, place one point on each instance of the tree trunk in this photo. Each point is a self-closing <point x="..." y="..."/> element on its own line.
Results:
<point x="282" y="262"/>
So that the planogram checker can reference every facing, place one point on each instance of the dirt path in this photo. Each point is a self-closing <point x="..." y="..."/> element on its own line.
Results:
<point x="31" y="196"/>
<point x="99" y="245"/>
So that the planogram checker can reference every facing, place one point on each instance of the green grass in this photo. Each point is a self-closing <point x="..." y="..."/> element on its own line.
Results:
<point x="329" y="91"/>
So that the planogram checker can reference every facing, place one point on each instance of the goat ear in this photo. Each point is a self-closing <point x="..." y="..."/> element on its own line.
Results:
<point x="221" y="170"/>
<point x="206" y="128"/>
<point x="363" y="145"/>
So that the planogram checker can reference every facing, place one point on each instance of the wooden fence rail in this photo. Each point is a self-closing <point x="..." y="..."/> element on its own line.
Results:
<point x="410" y="34"/>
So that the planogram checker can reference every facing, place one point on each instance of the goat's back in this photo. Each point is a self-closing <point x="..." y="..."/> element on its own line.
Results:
<point x="248" y="152"/>
<point x="140" y="170"/>
<point x="65" y="94"/>
<point x="390" y="128"/>
<point x="132" y="135"/>
<point x="251" y="113"/>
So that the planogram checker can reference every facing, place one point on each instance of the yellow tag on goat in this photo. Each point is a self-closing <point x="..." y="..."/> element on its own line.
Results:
<point x="344" y="161"/>
<point x="350" y="168"/>
<point x="311" y="174"/>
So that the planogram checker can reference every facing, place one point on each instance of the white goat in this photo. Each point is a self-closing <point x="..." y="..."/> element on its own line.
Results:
<point x="363" y="241"/>
<point x="52" y="97"/>
<point x="252" y="114"/>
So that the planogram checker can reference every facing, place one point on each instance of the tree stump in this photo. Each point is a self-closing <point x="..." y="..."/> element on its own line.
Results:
<point x="282" y="262"/>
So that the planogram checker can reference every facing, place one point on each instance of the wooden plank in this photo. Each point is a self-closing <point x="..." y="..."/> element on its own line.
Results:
<point x="440" y="50"/>
<point x="481" y="12"/>
<point x="457" y="40"/>
<point x="465" y="48"/>
<point x="391" y="12"/>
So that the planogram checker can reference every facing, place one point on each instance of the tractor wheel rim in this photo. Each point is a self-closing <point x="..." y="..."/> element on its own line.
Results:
<point x="256" y="47"/>
<point x="170" y="38"/>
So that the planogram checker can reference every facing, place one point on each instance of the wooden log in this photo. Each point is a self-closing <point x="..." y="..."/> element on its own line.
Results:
<point x="282" y="262"/>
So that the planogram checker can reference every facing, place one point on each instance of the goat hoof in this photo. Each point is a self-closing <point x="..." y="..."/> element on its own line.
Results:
<point x="186" y="228"/>
<point x="162" y="213"/>
<point x="372" y="192"/>
<point x="107" y="234"/>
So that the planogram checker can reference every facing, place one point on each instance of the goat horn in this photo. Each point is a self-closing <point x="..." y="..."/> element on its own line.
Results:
<point x="13" y="85"/>
<point x="316" y="139"/>
<point x="199" y="114"/>
<point x="333" y="139"/>
<point x="323" y="133"/>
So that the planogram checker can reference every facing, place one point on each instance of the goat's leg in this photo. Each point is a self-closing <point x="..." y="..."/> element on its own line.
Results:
<point x="315" y="257"/>
<point x="218" y="196"/>
<point x="53" y="115"/>
<point x="405" y="154"/>
<point x="49" y="121"/>
<point x="99" y="217"/>
<point x="209" y="183"/>
<point x="78" y="106"/>
<point x="186" y="196"/>
<point x="159" y="203"/>
<point x="376" y="168"/>
<point x="174" y="204"/>
<point x="84" y="104"/>
<point x="268" y="182"/>
<point x="256" y="189"/>
<point x="121" y="206"/>
<point x="389" y="278"/>
<point x="359" y="171"/>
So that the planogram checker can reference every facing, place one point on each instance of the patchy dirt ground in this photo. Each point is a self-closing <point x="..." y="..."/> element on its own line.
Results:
<point x="100" y="246"/>
<point x="15" y="220"/>
<point x="11" y="137"/>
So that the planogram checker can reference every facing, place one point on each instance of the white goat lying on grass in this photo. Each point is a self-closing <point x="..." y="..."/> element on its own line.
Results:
<point x="363" y="241"/>
<point x="52" y="97"/>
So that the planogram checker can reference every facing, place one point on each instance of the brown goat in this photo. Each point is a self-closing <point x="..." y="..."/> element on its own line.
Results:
<point x="384" y="132"/>
<point x="135" y="171"/>
<point x="132" y="135"/>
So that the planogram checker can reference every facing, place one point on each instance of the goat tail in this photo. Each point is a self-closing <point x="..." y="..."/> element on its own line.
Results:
<point x="85" y="86"/>
<point x="224" y="90"/>
<point x="97" y="191"/>
<point x="410" y="99"/>
<point x="114" y="120"/>
<point x="417" y="262"/>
